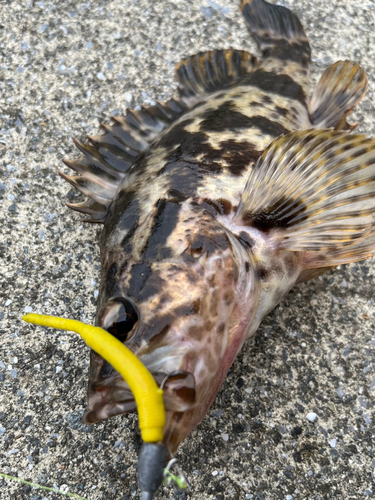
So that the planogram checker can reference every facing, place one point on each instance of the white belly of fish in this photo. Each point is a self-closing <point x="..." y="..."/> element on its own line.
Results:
<point x="278" y="270"/>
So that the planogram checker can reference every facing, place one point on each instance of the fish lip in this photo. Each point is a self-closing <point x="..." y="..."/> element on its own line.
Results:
<point x="110" y="396"/>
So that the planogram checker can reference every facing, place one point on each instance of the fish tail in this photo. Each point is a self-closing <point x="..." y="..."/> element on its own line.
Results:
<point x="277" y="31"/>
<point x="314" y="192"/>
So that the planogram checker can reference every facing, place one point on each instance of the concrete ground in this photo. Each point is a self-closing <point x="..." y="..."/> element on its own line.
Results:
<point x="65" y="67"/>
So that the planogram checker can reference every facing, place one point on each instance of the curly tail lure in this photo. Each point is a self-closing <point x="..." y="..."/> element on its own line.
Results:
<point x="148" y="396"/>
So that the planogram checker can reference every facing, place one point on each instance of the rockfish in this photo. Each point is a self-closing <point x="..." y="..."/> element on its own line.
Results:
<point x="215" y="203"/>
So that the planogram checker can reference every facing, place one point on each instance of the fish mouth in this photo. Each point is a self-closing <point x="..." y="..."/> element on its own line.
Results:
<point x="109" y="395"/>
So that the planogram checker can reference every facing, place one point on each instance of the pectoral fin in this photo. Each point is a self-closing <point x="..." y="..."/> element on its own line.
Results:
<point x="314" y="191"/>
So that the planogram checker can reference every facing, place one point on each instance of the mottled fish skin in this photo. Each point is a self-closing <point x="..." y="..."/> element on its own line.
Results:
<point x="200" y="292"/>
<point x="200" y="280"/>
<point x="196" y="290"/>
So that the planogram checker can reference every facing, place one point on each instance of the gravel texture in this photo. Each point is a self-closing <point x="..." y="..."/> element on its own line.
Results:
<point x="294" y="419"/>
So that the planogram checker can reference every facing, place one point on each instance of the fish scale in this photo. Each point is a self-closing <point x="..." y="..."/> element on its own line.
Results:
<point x="215" y="203"/>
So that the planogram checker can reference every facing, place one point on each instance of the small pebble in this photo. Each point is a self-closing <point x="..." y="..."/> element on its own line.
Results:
<point x="331" y="406"/>
<point x="311" y="417"/>
<point x="333" y="443"/>
<point x="340" y="392"/>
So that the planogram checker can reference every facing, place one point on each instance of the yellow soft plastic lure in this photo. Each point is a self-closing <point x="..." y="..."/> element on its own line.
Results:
<point x="148" y="396"/>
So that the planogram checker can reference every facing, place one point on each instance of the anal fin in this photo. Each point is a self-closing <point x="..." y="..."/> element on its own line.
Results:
<point x="314" y="192"/>
<point x="341" y="87"/>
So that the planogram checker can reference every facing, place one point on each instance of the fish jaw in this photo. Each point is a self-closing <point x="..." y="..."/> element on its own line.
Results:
<point x="248" y="292"/>
<point x="110" y="395"/>
<point x="197" y="332"/>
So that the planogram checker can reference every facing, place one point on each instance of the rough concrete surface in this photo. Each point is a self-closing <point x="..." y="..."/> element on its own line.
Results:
<point x="65" y="67"/>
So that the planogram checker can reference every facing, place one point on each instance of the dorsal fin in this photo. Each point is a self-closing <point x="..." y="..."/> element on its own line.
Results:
<point x="214" y="70"/>
<point x="109" y="156"/>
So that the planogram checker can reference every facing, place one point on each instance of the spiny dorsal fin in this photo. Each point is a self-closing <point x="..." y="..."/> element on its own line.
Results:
<point x="90" y="207"/>
<point x="213" y="70"/>
<point x="110" y="155"/>
<point x="314" y="191"/>
<point x="341" y="87"/>
<point x="278" y="32"/>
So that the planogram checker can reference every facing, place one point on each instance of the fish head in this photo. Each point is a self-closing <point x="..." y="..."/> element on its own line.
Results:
<point x="182" y="304"/>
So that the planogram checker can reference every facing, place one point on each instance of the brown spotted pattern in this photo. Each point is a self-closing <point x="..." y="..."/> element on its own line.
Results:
<point x="200" y="257"/>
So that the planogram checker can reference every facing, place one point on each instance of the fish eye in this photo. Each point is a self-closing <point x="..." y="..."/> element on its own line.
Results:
<point x="119" y="317"/>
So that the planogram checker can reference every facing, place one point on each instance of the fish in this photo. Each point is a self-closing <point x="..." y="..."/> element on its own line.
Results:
<point x="215" y="204"/>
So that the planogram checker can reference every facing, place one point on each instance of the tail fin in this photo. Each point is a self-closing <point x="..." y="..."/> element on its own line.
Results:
<point x="278" y="32"/>
<point x="314" y="191"/>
